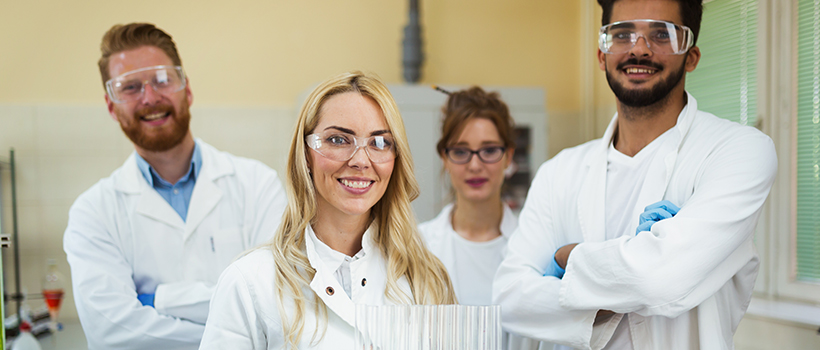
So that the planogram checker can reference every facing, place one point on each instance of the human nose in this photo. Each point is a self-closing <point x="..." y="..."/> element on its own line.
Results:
<point x="640" y="50"/>
<point x="149" y="94"/>
<point x="359" y="158"/>
<point x="474" y="163"/>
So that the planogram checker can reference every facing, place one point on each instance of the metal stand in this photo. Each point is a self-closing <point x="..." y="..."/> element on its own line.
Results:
<point x="13" y="240"/>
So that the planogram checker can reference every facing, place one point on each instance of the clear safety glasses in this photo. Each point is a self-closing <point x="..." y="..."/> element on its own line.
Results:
<point x="130" y="86"/>
<point x="341" y="146"/>
<point x="463" y="155"/>
<point x="661" y="37"/>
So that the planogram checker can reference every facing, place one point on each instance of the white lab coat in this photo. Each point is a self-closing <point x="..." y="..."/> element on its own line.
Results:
<point x="685" y="285"/>
<point x="245" y="313"/>
<point x="441" y="238"/>
<point x="124" y="239"/>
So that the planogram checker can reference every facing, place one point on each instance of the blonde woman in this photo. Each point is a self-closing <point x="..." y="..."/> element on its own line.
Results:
<point x="348" y="235"/>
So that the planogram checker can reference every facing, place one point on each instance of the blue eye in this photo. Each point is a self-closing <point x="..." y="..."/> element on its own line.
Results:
<point x="338" y="140"/>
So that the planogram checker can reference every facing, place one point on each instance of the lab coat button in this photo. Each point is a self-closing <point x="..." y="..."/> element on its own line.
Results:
<point x="329" y="291"/>
<point x="364" y="282"/>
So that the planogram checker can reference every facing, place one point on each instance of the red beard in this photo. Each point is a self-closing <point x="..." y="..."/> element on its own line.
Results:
<point x="157" y="139"/>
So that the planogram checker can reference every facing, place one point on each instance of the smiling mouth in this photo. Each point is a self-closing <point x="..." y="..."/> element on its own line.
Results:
<point x="635" y="70"/>
<point x="476" y="182"/>
<point x="356" y="184"/>
<point x="155" y="116"/>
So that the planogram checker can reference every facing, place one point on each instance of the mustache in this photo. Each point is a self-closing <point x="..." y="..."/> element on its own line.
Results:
<point x="154" y="109"/>
<point x="637" y="62"/>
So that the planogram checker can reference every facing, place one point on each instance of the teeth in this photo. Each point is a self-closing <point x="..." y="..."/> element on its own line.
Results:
<point x="154" y="116"/>
<point x="639" y="71"/>
<point x="355" y="184"/>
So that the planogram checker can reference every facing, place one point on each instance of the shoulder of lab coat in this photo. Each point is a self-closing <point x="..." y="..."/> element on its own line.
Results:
<point x="436" y="231"/>
<point x="440" y="228"/>
<point x="244" y="314"/>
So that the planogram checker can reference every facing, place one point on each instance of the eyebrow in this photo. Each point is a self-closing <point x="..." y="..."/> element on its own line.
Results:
<point x="483" y="144"/>
<point x="348" y="131"/>
<point x="624" y="25"/>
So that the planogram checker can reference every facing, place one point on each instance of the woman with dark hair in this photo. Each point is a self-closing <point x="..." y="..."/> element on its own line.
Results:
<point x="470" y="234"/>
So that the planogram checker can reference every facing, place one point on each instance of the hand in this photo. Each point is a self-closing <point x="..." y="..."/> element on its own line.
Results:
<point x="554" y="269"/>
<point x="559" y="261"/>
<point x="656" y="212"/>
<point x="146" y="299"/>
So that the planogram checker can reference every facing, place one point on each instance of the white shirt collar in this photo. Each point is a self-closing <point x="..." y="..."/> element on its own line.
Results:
<point x="333" y="259"/>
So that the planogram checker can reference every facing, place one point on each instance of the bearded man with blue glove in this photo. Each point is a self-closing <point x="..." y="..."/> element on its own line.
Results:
<point x="642" y="239"/>
<point x="147" y="244"/>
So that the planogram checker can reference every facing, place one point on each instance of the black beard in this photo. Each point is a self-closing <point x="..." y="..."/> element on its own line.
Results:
<point x="645" y="97"/>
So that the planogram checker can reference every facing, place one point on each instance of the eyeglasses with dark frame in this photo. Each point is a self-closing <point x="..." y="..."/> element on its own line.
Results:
<point x="487" y="155"/>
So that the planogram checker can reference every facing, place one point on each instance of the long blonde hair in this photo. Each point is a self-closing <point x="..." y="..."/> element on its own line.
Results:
<point x="397" y="238"/>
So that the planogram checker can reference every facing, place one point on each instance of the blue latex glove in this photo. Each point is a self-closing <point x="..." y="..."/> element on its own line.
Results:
<point x="146" y="299"/>
<point x="554" y="269"/>
<point x="656" y="212"/>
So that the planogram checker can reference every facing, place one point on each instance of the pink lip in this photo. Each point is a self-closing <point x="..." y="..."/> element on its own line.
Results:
<point x="157" y="122"/>
<point x="353" y="190"/>
<point x="476" y="182"/>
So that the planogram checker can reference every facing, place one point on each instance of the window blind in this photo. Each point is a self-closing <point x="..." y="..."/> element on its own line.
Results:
<point x="725" y="81"/>
<point x="808" y="141"/>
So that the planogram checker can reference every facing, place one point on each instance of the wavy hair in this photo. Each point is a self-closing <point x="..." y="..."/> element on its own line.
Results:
<point x="397" y="238"/>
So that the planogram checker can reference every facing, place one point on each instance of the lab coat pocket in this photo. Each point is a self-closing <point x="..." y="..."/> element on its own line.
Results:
<point x="226" y="245"/>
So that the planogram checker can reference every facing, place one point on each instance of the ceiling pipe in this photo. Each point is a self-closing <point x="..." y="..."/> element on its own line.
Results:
<point x="412" y="56"/>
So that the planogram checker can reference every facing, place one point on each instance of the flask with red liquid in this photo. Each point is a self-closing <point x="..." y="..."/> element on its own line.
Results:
<point x="53" y="284"/>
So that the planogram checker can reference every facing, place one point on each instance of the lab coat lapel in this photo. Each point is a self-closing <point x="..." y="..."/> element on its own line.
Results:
<point x="592" y="195"/>
<point x="150" y="203"/>
<point x="206" y="193"/>
<point x="663" y="163"/>
<point x="323" y="279"/>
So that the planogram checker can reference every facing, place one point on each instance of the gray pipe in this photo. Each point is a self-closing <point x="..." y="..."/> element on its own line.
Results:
<point x="412" y="55"/>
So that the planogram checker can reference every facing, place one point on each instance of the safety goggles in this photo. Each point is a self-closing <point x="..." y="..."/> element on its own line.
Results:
<point x="463" y="155"/>
<point x="342" y="146"/>
<point x="661" y="37"/>
<point x="130" y="86"/>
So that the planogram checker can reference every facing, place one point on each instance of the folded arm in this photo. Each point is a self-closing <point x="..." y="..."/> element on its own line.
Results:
<point x="106" y="294"/>
<point x="685" y="259"/>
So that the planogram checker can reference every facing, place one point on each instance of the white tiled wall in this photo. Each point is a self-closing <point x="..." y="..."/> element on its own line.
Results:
<point x="61" y="150"/>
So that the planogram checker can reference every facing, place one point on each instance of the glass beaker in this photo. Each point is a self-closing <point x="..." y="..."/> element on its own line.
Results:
<point x="53" y="288"/>
<point x="427" y="327"/>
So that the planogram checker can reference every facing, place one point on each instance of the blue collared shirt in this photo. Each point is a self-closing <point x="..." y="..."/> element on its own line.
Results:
<point x="178" y="195"/>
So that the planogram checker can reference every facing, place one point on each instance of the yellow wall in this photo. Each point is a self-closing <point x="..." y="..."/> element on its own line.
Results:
<point x="266" y="52"/>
